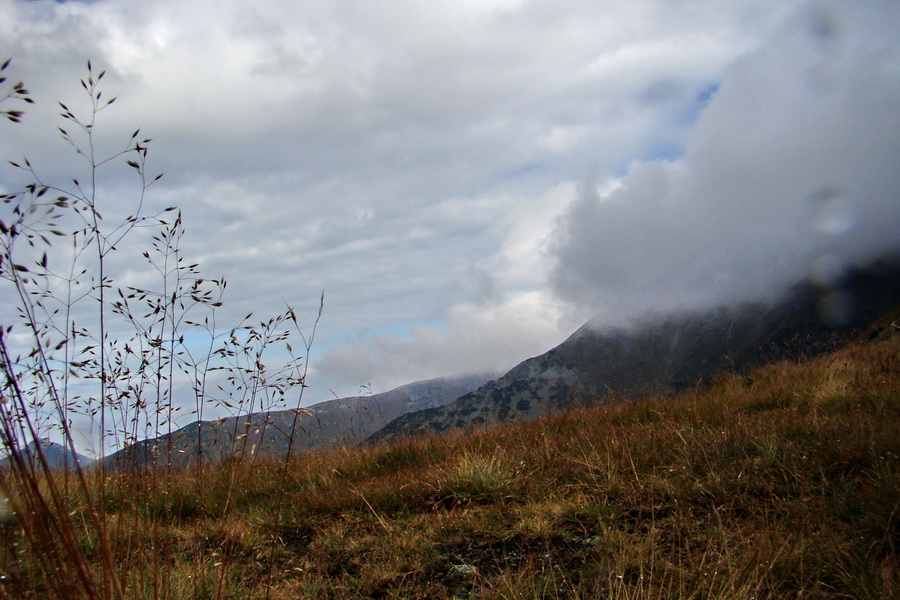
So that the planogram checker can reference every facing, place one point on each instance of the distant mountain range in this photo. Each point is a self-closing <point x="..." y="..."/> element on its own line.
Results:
<point x="660" y="354"/>
<point x="668" y="353"/>
<point x="343" y="421"/>
<point x="56" y="455"/>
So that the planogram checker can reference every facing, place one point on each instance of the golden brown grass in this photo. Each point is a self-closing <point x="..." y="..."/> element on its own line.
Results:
<point x="783" y="483"/>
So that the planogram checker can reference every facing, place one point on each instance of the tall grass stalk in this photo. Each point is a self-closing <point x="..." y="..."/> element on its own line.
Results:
<point x="79" y="349"/>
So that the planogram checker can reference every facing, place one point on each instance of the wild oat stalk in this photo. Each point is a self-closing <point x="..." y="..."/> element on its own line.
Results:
<point x="77" y="344"/>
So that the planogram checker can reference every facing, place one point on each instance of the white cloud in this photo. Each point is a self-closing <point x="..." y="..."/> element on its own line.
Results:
<point x="478" y="337"/>
<point x="407" y="158"/>
<point x="789" y="168"/>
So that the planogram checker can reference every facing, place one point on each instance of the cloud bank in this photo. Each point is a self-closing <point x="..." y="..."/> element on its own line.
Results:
<point x="790" y="173"/>
<point x="420" y="162"/>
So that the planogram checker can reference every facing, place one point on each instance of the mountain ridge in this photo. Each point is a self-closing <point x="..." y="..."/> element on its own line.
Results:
<point x="334" y="422"/>
<point x="56" y="455"/>
<point x="667" y="353"/>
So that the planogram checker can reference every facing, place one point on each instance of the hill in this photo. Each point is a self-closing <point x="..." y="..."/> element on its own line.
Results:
<point x="668" y="353"/>
<point x="56" y="455"/>
<point x="336" y="422"/>
<point x="781" y="483"/>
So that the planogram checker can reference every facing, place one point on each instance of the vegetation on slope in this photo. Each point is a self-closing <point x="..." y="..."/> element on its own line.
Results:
<point x="781" y="483"/>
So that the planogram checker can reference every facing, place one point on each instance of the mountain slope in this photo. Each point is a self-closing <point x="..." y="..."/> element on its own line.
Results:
<point x="341" y="421"/>
<point x="667" y="353"/>
<point x="56" y="455"/>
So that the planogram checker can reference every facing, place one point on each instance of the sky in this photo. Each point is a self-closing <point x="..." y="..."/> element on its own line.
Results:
<point x="469" y="182"/>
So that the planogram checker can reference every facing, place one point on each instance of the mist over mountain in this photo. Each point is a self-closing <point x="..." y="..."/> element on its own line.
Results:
<point x="789" y="174"/>
<point x="336" y="422"/>
<point x="665" y="353"/>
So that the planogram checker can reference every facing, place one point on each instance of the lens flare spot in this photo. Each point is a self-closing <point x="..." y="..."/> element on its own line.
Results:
<point x="831" y="212"/>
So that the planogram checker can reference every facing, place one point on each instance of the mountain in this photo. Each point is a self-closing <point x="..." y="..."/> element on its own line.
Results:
<point x="56" y="455"/>
<point x="668" y="353"/>
<point x="341" y="421"/>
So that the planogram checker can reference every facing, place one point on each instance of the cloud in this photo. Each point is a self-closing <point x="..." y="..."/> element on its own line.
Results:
<point x="489" y="337"/>
<point x="790" y="172"/>
<point x="407" y="158"/>
<point x="484" y="318"/>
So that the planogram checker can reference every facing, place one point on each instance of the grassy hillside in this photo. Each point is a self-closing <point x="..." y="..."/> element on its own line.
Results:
<point x="781" y="484"/>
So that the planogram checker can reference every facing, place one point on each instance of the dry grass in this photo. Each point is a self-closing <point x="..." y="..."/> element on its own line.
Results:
<point x="783" y="483"/>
